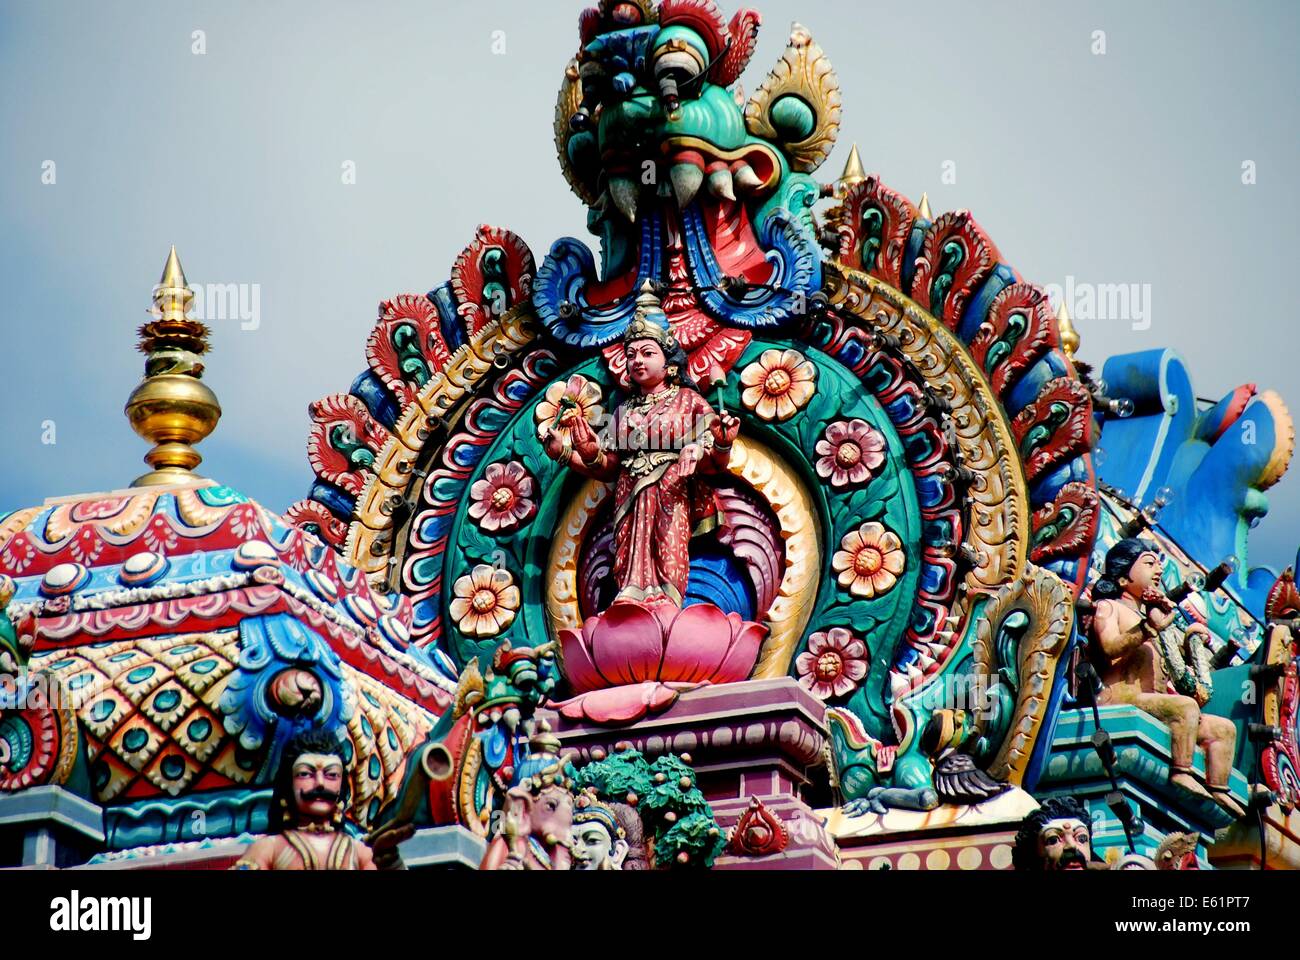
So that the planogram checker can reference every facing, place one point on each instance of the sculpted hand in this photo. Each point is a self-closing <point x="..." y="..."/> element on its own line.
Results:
<point x="585" y="441"/>
<point x="384" y="842"/>
<point x="688" y="458"/>
<point x="1159" y="618"/>
<point x="554" y="444"/>
<point x="725" y="429"/>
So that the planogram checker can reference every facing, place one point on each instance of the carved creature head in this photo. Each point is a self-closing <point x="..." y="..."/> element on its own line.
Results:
<point x="544" y="813"/>
<point x="648" y="91"/>
<point x="1177" y="851"/>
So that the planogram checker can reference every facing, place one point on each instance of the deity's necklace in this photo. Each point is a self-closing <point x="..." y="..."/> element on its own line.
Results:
<point x="644" y="403"/>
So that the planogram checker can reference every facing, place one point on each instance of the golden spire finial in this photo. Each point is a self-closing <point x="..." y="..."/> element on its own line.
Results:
<point x="172" y="275"/>
<point x="923" y="209"/>
<point x="172" y="408"/>
<point x="853" y="171"/>
<point x="1069" y="335"/>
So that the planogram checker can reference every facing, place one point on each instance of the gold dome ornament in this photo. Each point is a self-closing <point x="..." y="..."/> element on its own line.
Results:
<point x="172" y="408"/>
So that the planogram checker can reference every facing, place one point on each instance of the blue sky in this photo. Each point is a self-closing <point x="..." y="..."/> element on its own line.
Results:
<point x="1115" y="168"/>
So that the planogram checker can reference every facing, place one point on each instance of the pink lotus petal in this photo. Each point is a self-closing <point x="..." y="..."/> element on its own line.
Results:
<point x="855" y="670"/>
<point x="627" y="643"/>
<point x="842" y="686"/>
<point x="579" y="669"/>
<point x="818" y="643"/>
<point x="739" y="662"/>
<point x="697" y="642"/>
<point x="619" y="705"/>
<point x="804" y="663"/>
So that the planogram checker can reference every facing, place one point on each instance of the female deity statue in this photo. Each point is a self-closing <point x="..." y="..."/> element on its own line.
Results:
<point x="1134" y="657"/>
<point x="654" y="444"/>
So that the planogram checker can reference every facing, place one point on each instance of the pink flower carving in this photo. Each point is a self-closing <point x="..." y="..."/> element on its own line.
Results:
<point x="484" y="601"/>
<point x="850" y="452"/>
<point x="869" y="561"/>
<point x="503" y="497"/>
<point x="833" y="665"/>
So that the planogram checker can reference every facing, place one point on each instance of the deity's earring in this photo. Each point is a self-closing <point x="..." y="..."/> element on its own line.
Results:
<point x="672" y="371"/>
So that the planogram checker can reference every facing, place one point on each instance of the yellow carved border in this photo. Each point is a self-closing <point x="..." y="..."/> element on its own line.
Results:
<point x="372" y="524"/>
<point x="778" y="484"/>
<point x="999" y="518"/>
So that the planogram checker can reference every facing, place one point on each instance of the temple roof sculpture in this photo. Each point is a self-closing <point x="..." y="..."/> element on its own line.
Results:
<point x="791" y="477"/>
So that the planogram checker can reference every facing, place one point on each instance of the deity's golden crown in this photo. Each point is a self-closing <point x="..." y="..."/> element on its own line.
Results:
<point x="649" y="321"/>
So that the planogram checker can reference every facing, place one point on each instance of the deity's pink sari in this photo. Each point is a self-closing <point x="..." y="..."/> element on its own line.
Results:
<point x="656" y="509"/>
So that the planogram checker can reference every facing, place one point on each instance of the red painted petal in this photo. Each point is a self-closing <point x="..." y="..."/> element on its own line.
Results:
<point x="740" y="659"/>
<point x="627" y="643"/>
<point x="698" y="641"/>
<point x="619" y="705"/>
<point x="578" y="667"/>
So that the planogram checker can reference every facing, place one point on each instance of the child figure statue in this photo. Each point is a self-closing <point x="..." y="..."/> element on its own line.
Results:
<point x="1132" y="611"/>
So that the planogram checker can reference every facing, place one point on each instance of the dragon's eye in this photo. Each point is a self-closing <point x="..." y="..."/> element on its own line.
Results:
<point x="677" y="60"/>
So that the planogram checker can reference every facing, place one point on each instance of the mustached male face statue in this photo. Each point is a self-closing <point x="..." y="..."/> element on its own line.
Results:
<point x="1065" y="844"/>
<point x="1056" y="836"/>
<point x="317" y="786"/>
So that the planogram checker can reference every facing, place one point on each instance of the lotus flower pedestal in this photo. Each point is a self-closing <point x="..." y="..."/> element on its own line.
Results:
<point x="755" y="739"/>
<point x="635" y="659"/>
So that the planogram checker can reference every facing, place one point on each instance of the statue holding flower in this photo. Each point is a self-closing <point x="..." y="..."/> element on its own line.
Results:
<point x="657" y="443"/>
